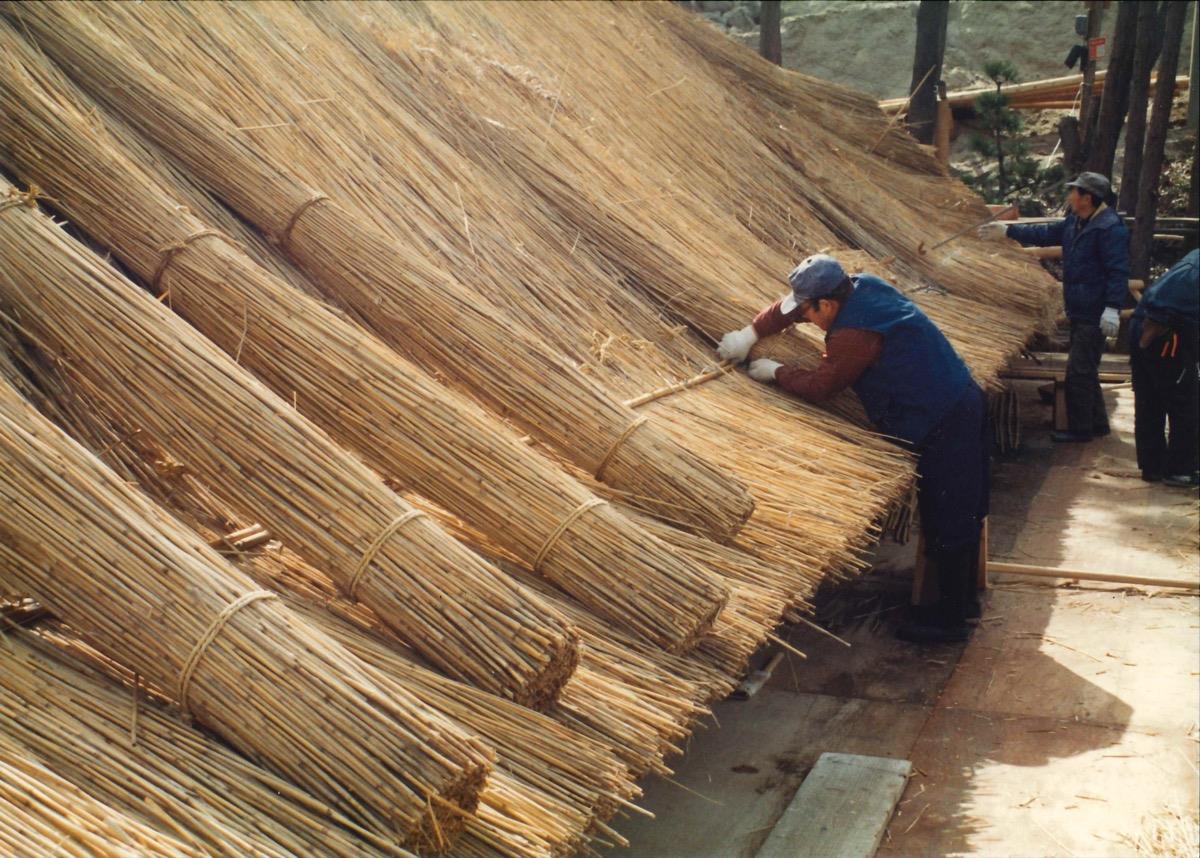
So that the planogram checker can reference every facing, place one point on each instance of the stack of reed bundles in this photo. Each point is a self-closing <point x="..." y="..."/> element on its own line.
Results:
<point x="807" y="552"/>
<point x="151" y="595"/>
<point x="396" y="291"/>
<point x="126" y="749"/>
<point x="44" y="814"/>
<point x="363" y="394"/>
<point x="147" y="367"/>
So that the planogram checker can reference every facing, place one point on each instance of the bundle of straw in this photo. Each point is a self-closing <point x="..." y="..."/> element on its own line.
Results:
<point x="43" y="814"/>
<point x="149" y="594"/>
<point x="144" y="365"/>
<point x="363" y="394"/>
<point x="399" y="294"/>
<point x="125" y="749"/>
<point x="561" y="296"/>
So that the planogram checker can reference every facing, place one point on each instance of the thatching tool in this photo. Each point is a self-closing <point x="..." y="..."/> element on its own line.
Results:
<point x="921" y="247"/>
<point x="754" y="682"/>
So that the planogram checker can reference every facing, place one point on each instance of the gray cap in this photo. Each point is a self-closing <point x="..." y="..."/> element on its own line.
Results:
<point x="1093" y="183"/>
<point x="815" y="277"/>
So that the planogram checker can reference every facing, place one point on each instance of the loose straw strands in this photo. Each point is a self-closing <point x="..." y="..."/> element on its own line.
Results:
<point x="145" y="591"/>
<point x="168" y="774"/>
<point x="398" y="293"/>
<point x="44" y="814"/>
<point x="148" y="367"/>
<point x="362" y="393"/>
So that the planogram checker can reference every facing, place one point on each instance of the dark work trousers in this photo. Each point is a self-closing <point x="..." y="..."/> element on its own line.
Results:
<point x="1166" y="389"/>
<point x="953" y="488"/>
<point x="1085" y="402"/>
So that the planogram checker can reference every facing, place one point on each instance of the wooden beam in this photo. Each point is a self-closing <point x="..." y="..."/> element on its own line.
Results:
<point x="1003" y="568"/>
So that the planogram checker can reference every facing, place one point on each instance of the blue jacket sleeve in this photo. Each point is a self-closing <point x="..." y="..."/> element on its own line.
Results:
<point x="1114" y="254"/>
<point x="1038" y="234"/>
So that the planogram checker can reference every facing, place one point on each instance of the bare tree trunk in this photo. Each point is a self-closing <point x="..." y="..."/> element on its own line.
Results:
<point x="932" y="16"/>
<point x="1193" y="203"/>
<point x="1115" y="101"/>
<point x="1087" y="106"/>
<point x="1156" y="141"/>
<point x="1144" y="55"/>
<point x="770" y="39"/>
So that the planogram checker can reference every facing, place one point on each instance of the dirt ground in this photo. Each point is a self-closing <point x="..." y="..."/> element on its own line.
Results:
<point x="1067" y="725"/>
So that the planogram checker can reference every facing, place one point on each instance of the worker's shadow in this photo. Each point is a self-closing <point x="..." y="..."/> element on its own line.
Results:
<point x="1016" y="695"/>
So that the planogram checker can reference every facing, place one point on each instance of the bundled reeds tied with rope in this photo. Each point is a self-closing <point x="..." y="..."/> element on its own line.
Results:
<point x="127" y="750"/>
<point x="149" y="369"/>
<point x="398" y="293"/>
<point x="151" y="595"/>
<point x="565" y="297"/>
<point x="366" y="396"/>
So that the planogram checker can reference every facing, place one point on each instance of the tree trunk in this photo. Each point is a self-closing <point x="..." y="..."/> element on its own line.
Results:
<point x="1115" y="101"/>
<point x="1144" y="55"/>
<point x="770" y="40"/>
<point x="1087" y="106"/>
<point x="1156" y="140"/>
<point x="1068" y="134"/>
<point x="932" y="16"/>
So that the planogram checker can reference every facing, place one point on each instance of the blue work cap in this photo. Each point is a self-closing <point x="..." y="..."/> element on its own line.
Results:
<point x="815" y="277"/>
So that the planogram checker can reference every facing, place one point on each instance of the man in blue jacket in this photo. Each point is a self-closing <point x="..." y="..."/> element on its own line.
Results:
<point x="1095" y="247"/>
<point x="1163" y="339"/>
<point x="915" y="388"/>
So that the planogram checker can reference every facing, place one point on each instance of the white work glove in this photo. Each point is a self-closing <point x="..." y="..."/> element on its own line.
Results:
<point x="1110" y="322"/>
<point x="764" y="370"/>
<point x="994" y="231"/>
<point x="736" y="345"/>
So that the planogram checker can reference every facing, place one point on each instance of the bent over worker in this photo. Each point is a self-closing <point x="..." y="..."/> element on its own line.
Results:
<point x="915" y="388"/>
<point x="1095" y="259"/>
<point x="1164" y="344"/>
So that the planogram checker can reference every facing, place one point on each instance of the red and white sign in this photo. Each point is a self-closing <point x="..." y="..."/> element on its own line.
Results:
<point x="1097" y="48"/>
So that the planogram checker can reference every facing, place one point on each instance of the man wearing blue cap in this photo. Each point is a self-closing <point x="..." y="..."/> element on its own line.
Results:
<point x="1095" y="247"/>
<point x="915" y="388"/>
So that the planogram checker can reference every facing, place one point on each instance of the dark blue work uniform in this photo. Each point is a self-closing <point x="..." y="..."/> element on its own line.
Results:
<point x="1164" y="369"/>
<point x="921" y="392"/>
<point x="1095" y="276"/>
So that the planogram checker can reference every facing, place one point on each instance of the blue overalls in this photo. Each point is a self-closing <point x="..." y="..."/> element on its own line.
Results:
<point x="921" y="392"/>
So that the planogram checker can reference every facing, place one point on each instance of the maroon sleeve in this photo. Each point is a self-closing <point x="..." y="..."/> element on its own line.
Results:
<point x="848" y="353"/>
<point x="773" y="320"/>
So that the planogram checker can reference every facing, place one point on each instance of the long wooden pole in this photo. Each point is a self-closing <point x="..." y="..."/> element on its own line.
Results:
<point x="998" y="567"/>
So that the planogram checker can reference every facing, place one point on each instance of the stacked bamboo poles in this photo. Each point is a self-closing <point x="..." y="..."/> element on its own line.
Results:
<point x="366" y="396"/>
<point x="147" y="367"/>
<point x="43" y="814"/>
<point x="809" y="553"/>
<point x="399" y="294"/>
<point x="127" y="750"/>
<point x="149" y="594"/>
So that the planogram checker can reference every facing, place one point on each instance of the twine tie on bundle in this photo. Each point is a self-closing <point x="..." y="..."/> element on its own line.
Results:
<point x="621" y="439"/>
<point x="189" y="666"/>
<point x="373" y="548"/>
<point x="285" y="237"/>
<point x="168" y="252"/>
<point x="549" y="544"/>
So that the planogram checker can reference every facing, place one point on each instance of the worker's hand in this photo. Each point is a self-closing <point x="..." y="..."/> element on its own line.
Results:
<point x="1110" y="322"/>
<point x="994" y="231"/>
<point x="764" y="370"/>
<point x="736" y="345"/>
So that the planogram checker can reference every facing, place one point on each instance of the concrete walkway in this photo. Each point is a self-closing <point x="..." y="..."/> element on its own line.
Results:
<point x="1066" y="726"/>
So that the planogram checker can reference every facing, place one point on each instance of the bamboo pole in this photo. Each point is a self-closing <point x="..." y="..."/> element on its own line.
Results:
<point x="1000" y="567"/>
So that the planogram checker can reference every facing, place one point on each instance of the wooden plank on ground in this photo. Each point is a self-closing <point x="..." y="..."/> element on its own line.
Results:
<point x="841" y="810"/>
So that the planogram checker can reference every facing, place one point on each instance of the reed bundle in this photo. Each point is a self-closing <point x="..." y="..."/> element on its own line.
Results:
<point x="43" y="814"/>
<point x="128" y="751"/>
<point x="396" y="291"/>
<point x="555" y="785"/>
<point x="362" y="393"/>
<point x="149" y="594"/>
<point x="784" y="531"/>
<point x="267" y="460"/>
